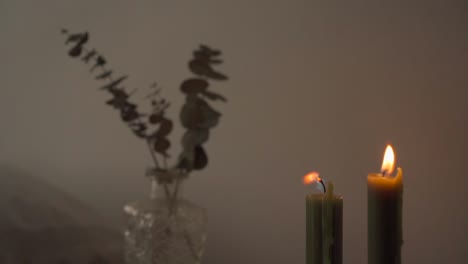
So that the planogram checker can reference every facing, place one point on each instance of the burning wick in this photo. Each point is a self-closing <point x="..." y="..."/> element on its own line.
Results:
<point x="312" y="177"/>
<point x="323" y="185"/>
<point x="384" y="173"/>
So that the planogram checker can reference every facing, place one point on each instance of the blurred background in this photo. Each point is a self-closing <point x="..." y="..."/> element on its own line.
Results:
<point x="314" y="85"/>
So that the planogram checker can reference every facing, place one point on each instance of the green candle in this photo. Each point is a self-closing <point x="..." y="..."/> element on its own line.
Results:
<point x="324" y="218"/>
<point x="385" y="198"/>
<point x="314" y="204"/>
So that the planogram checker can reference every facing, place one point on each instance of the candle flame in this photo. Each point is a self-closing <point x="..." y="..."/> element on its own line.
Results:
<point x="388" y="163"/>
<point x="311" y="178"/>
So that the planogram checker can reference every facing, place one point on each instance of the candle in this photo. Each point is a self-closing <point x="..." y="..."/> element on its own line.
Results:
<point x="385" y="197"/>
<point x="324" y="219"/>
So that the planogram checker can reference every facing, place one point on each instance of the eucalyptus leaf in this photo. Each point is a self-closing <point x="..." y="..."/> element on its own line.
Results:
<point x="156" y="118"/>
<point x="113" y="84"/>
<point x="216" y="61"/>
<point x="194" y="86"/>
<point x="75" y="51"/>
<point x="104" y="75"/>
<point x="187" y="158"/>
<point x="194" y="137"/>
<point x="203" y="68"/>
<point x="216" y="76"/>
<point x="89" y="55"/>
<point x="212" y="52"/>
<point x="214" y="96"/>
<point x="165" y="128"/>
<point x="210" y="116"/>
<point x="139" y="129"/>
<point x="161" y="145"/>
<point x="197" y="113"/>
<point x="200" y="67"/>
<point x="100" y="62"/>
<point x="191" y="114"/>
<point x="128" y="113"/>
<point x="201" y="159"/>
<point x="201" y="55"/>
<point x="119" y="100"/>
<point x="81" y="38"/>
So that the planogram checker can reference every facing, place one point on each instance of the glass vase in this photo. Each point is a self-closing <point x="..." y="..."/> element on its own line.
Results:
<point x="164" y="229"/>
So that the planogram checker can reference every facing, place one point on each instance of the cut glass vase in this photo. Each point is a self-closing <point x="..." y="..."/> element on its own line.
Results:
<point x="164" y="231"/>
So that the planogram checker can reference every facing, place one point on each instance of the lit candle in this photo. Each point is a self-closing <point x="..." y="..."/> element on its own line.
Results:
<point x="385" y="197"/>
<point x="324" y="224"/>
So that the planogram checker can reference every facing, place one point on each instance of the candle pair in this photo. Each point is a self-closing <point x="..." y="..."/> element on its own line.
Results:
<point x="324" y="218"/>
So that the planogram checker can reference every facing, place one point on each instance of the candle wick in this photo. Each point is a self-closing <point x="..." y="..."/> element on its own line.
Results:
<point x="323" y="185"/>
<point x="384" y="173"/>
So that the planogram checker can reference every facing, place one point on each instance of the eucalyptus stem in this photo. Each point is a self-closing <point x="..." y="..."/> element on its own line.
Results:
<point x="176" y="190"/>
<point x="153" y="155"/>
<point x="155" y="160"/>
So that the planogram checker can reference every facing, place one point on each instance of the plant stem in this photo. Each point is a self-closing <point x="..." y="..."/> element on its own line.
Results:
<point x="173" y="198"/>
<point x="153" y="155"/>
<point x="155" y="160"/>
<point x="176" y="189"/>
<point x="165" y="162"/>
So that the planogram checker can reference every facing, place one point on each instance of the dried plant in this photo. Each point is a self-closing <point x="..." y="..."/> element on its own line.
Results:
<point x="196" y="116"/>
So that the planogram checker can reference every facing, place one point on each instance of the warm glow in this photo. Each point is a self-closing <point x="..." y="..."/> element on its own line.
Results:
<point x="311" y="178"/>
<point x="388" y="163"/>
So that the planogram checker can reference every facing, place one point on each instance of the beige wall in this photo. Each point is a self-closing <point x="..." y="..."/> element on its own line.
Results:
<point x="314" y="85"/>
